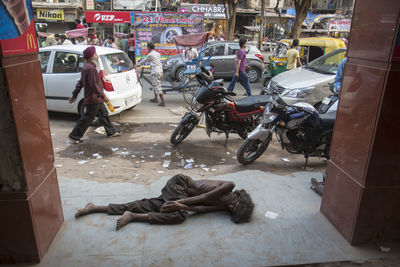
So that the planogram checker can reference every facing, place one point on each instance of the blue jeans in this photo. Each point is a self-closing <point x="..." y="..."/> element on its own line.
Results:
<point x="244" y="81"/>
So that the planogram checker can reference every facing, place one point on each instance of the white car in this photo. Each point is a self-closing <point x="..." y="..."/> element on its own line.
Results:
<point x="61" y="69"/>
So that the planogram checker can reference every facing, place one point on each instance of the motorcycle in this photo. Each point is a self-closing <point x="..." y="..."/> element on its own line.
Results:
<point x="299" y="128"/>
<point x="222" y="114"/>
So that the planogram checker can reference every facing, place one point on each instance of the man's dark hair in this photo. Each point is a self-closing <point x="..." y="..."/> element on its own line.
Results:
<point x="78" y="21"/>
<point x="63" y="36"/>
<point x="57" y="35"/>
<point x="111" y="38"/>
<point x="242" y="42"/>
<point x="244" y="209"/>
<point x="295" y="42"/>
<point x="151" y="46"/>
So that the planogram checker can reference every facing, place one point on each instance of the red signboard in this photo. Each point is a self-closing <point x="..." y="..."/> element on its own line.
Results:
<point x="108" y="17"/>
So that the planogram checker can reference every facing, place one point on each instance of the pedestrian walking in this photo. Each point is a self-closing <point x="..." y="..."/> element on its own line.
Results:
<point x="154" y="58"/>
<point x="240" y="69"/>
<point x="64" y="40"/>
<point x="94" y="98"/>
<point x="293" y="56"/>
<point x="131" y="48"/>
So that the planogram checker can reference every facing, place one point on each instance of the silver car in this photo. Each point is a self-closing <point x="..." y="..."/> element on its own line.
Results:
<point x="222" y="61"/>
<point x="309" y="83"/>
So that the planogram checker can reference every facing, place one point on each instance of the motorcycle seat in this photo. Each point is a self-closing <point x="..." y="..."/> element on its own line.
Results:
<point x="252" y="103"/>
<point x="328" y="119"/>
<point x="219" y="82"/>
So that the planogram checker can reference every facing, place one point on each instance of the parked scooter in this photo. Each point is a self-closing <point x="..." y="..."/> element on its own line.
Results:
<point x="222" y="114"/>
<point x="299" y="128"/>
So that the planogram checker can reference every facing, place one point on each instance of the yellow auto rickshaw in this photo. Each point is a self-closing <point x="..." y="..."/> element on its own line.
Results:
<point x="309" y="49"/>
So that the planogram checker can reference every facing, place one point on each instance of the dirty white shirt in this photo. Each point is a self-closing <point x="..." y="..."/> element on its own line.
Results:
<point x="154" y="58"/>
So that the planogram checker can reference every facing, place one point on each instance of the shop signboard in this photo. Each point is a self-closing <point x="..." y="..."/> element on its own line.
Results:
<point x="339" y="25"/>
<point x="108" y="17"/>
<point x="17" y="29"/>
<point x="160" y="28"/>
<point x="210" y="11"/>
<point x="50" y="14"/>
<point x="131" y="5"/>
<point x="90" y="5"/>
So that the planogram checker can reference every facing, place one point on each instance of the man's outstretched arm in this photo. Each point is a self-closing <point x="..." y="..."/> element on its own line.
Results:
<point x="175" y="206"/>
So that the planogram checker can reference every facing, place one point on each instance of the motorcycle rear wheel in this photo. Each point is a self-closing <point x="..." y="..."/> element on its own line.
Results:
<point x="182" y="131"/>
<point x="250" y="150"/>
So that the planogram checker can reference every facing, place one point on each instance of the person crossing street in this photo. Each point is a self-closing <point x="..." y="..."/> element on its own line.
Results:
<point x="94" y="98"/>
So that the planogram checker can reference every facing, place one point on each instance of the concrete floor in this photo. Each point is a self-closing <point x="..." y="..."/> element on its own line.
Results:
<point x="300" y="234"/>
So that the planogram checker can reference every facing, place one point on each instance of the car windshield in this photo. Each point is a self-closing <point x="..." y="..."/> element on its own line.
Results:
<point x="327" y="64"/>
<point x="116" y="63"/>
<point x="280" y="50"/>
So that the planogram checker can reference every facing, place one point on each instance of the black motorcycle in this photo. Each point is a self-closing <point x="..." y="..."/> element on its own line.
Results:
<point x="222" y="114"/>
<point x="299" y="128"/>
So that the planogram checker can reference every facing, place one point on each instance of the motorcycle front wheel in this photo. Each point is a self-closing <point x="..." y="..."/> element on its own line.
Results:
<point x="184" y="128"/>
<point x="250" y="150"/>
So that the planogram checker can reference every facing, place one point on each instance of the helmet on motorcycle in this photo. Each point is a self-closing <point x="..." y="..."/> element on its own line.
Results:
<point x="204" y="76"/>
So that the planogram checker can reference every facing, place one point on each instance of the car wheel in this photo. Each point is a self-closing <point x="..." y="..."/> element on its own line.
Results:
<point x="254" y="75"/>
<point x="179" y="74"/>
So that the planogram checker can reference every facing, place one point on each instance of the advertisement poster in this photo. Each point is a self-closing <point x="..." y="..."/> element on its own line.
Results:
<point x="160" y="28"/>
<point x="108" y="17"/>
<point x="17" y="28"/>
<point x="339" y="25"/>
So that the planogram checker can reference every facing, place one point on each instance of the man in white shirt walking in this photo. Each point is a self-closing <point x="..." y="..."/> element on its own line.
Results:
<point x="154" y="58"/>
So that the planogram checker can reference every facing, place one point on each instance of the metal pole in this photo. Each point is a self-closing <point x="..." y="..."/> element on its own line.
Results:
<point x="261" y="33"/>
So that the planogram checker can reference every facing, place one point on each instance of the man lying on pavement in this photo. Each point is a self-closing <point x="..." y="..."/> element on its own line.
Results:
<point x="180" y="195"/>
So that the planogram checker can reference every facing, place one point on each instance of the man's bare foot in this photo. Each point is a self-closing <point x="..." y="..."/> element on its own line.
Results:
<point x="86" y="210"/>
<point x="124" y="220"/>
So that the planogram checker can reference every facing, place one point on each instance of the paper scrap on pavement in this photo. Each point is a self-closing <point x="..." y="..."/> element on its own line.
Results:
<point x="167" y="154"/>
<point x="271" y="215"/>
<point x="202" y="166"/>
<point x="115" y="123"/>
<point x="205" y="169"/>
<point x="160" y="172"/>
<point x="285" y="159"/>
<point x="113" y="149"/>
<point x="173" y="125"/>
<point x="188" y="166"/>
<point x="91" y="173"/>
<point x="143" y="161"/>
<point x="133" y="156"/>
<point x="234" y="157"/>
<point x="124" y="153"/>
<point x="80" y="153"/>
<point x="100" y="130"/>
<point x="228" y="153"/>
<point x="106" y="161"/>
<point x="59" y="166"/>
<point x="166" y="163"/>
<point x="190" y="160"/>
<point x="213" y="170"/>
<point x="82" y="162"/>
<point x="104" y="166"/>
<point x="151" y="156"/>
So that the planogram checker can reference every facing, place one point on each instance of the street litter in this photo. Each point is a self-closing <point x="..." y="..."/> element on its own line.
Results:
<point x="142" y="157"/>
<point x="271" y="215"/>
<point x="160" y="172"/>
<point x="202" y="165"/>
<point x="190" y="160"/>
<point x="182" y="163"/>
<point x="106" y="161"/>
<point x="166" y="163"/>
<point x="116" y="123"/>
<point x="285" y="159"/>
<point x="151" y="156"/>
<point x="234" y="157"/>
<point x="173" y="125"/>
<point x="53" y="134"/>
<point x="124" y="153"/>
<point x="96" y="155"/>
<point x="205" y="169"/>
<point x="91" y="173"/>
<point x="113" y="149"/>
<point x="213" y="170"/>
<point x="104" y="166"/>
<point x="383" y="249"/>
<point x="59" y="166"/>
<point x="100" y="130"/>
<point x="188" y="166"/>
<point x="155" y="145"/>
<point x="80" y="153"/>
<point x="167" y="154"/>
<point x="143" y="161"/>
<point x="133" y="156"/>
<point x="137" y="174"/>
<point x="82" y="162"/>
<point x="228" y="153"/>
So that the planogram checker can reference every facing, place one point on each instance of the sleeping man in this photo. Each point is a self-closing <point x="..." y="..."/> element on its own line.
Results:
<point x="180" y="195"/>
